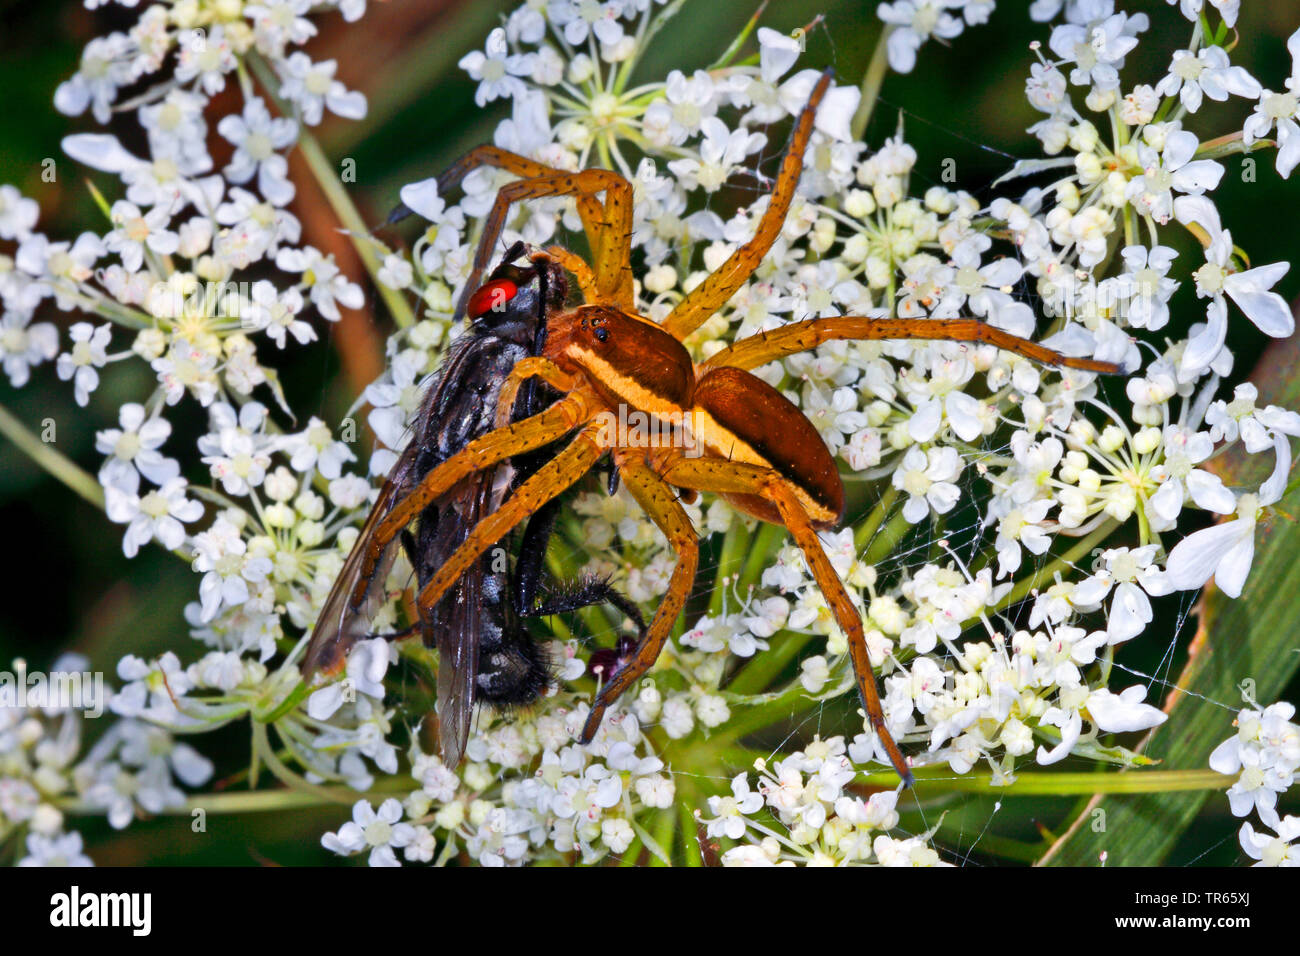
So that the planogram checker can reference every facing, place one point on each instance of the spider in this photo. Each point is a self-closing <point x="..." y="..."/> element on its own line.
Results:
<point x="724" y="431"/>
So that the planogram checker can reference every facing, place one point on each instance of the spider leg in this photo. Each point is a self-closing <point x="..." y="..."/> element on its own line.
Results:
<point x="721" y="284"/>
<point x="660" y="503"/>
<point x="589" y="208"/>
<point x="801" y="336"/>
<point x="726" y="477"/>
<point x="550" y="481"/>
<point x="526" y="368"/>
<point x="483" y="452"/>
<point x="613" y="258"/>
<point x="608" y="225"/>
<point x="575" y="264"/>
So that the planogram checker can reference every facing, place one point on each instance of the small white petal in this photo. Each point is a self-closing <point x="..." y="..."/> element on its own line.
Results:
<point x="100" y="151"/>
<point x="1206" y="344"/>
<point x="1208" y="491"/>
<point x="1232" y="570"/>
<point x="1271" y="490"/>
<point x="422" y="198"/>
<point x="1193" y="560"/>
<point x="1167" y="502"/>
<point x="924" y="424"/>
<point x="963" y="415"/>
<point x="1267" y="310"/>
<point x="1226" y="758"/>
<point x="1125" y="712"/>
<point x="1130" y="613"/>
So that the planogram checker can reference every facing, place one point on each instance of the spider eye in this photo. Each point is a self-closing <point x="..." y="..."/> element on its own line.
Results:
<point x="491" y="297"/>
<point x="601" y="333"/>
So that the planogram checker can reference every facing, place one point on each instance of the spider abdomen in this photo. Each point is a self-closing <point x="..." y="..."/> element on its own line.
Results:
<point x="740" y="417"/>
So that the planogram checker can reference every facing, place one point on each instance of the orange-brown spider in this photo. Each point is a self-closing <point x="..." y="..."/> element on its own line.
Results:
<point x="758" y="450"/>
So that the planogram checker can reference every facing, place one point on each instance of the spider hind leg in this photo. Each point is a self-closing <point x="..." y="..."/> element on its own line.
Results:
<point x="732" y="478"/>
<point x="660" y="502"/>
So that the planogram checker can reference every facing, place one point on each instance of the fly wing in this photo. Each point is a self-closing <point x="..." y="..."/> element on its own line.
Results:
<point x="456" y="623"/>
<point x="343" y="622"/>
<point x="457" y="620"/>
<point x="459" y="407"/>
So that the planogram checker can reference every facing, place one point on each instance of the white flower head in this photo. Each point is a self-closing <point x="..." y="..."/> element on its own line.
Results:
<point x="497" y="71"/>
<point x="257" y="138"/>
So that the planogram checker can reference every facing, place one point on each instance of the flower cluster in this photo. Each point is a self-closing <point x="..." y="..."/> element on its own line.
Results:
<point x="132" y="769"/>
<point x="804" y="813"/>
<point x="201" y="274"/>
<point x="1264" y="755"/>
<point x="580" y="802"/>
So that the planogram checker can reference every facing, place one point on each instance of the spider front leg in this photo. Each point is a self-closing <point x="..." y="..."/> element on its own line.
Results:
<point x="574" y="263"/>
<point x="531" y="367"/>
<point x="735" y="478"/>
<point x="659" y="502"/>
<point x="608" y="225"/>
<point x="797" y="337"/>
<point x="483" y="452"/>
<point x="721" y="284"/>
<point x="589" y="207"/>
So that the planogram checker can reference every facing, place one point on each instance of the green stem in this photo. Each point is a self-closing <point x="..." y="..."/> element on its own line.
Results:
<point x="259" y="801"/>
<point x="730" y="53"/>
<point x="342" y="205"/>
<point x="887" y="540"/>
<point x="759" y="673"/>
<point x="296" y="696"/>
<point x="686" y="824"/>
<point x="871" y="83"/>
<point x="765" y="544"/>
<point x="867" y="530"/>
<point x="1229" y="145"/>
<point x="664" y="837"/>
<point x="263" y="750"/>
<point x="730" y="560"/>
<point x="787" y="705"/>
<point x="330" y="183"/>
<point x="932" y="780"/>
<point x="52" y="460"/>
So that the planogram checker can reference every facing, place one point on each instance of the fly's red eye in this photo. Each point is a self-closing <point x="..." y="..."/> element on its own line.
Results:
<point x="491" y="297"/>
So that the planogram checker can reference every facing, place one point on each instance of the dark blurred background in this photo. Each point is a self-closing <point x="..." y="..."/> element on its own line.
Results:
<point x="67" y="585"/>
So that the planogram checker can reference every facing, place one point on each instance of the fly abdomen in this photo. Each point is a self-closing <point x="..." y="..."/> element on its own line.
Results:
<point x="513" y="669"/>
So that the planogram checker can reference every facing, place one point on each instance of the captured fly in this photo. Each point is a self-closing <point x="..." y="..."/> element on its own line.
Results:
<point x="485" y="652"/>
